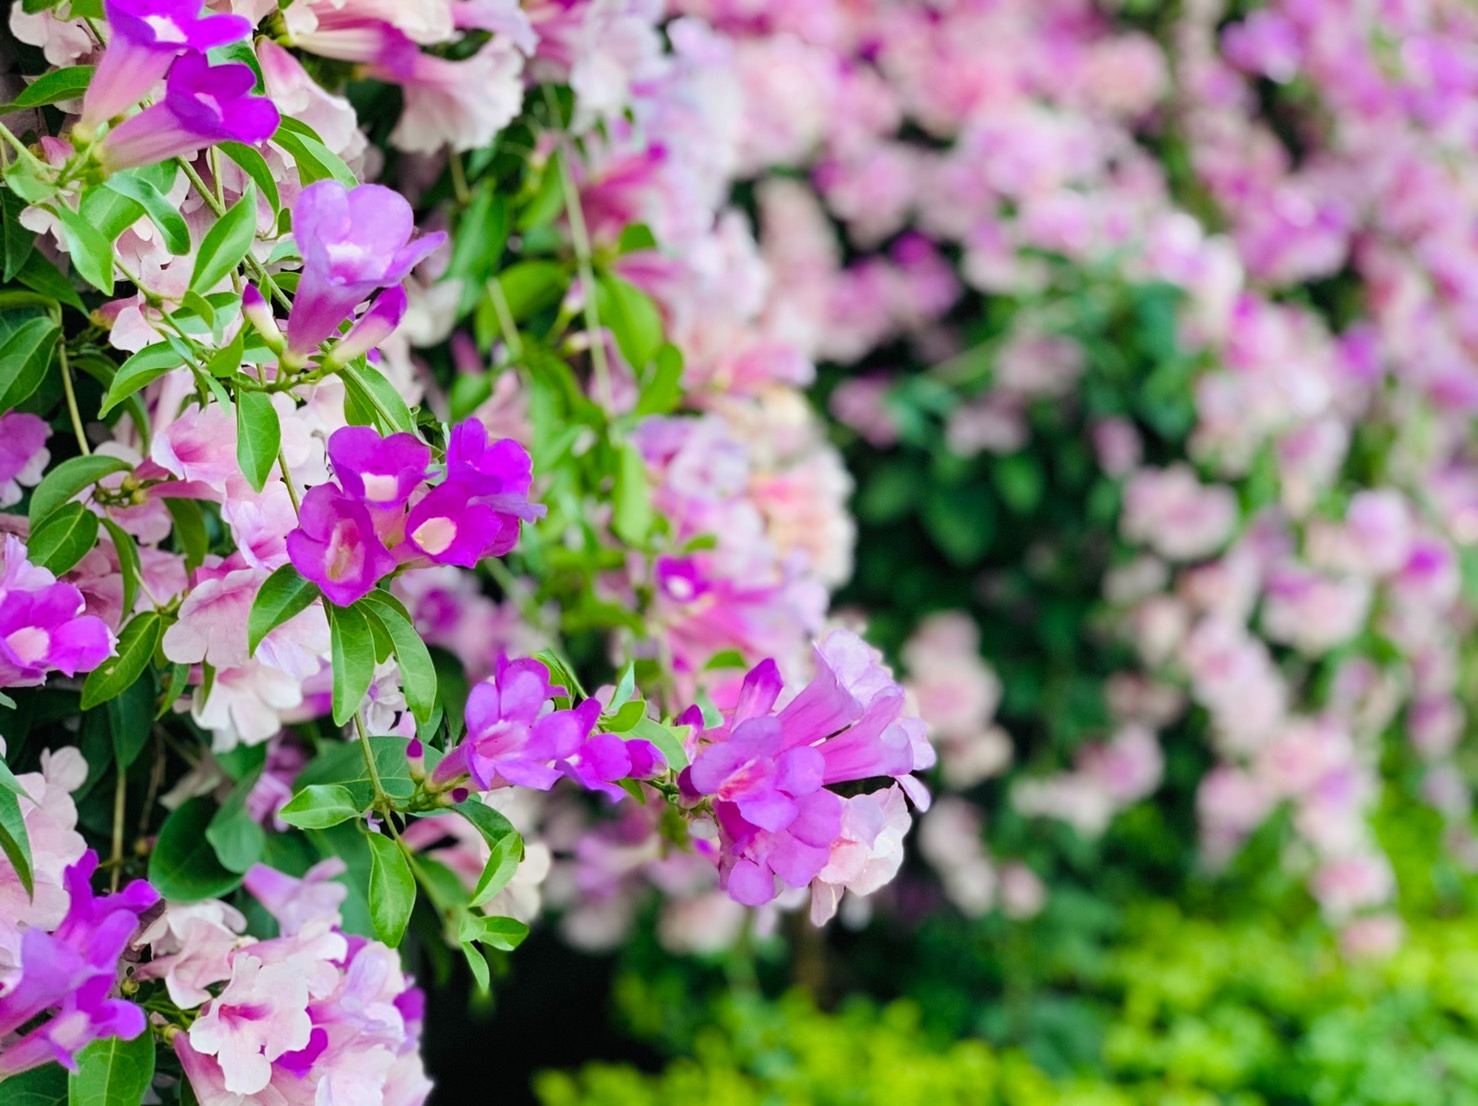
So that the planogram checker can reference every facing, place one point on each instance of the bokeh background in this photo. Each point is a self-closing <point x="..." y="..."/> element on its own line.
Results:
<point x="1149" y="335"/>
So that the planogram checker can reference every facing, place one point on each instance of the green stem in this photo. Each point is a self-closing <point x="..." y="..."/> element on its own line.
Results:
<point x="76" y="416"/>
<point x="505" y="318"/>
<point x="120" y="796"/>
<point x="382" y="800"/>
<point x="580" y="237"/>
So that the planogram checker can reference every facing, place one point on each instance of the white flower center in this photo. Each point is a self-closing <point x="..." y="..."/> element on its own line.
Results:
<point x="30" y="644"/>
<point x="435" y="535"/>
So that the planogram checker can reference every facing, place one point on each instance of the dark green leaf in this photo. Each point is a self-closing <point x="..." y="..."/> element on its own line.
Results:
<point x="15" y="842"/>
<point x="319" y="806"/>
<point x="183" y="866"/>
<point x="67" y="480"/>
<point x="56" y="86"/>
<point x="530" y="286"/>
<point x="189" y="530"/>
<point x="64" y="538"/>
<point x="496" y="933"/>
<point x="18" y="241"/>
<point x="130" y="568"/>
<point x="226" y="243"/>
<point x="40" y="275"/>
<point x="392" y="889"/>
<point x="352" y="653"/>
<point x="136" y="647"/>
<point x="283" y="594"/>
<point x="234" y="834"/>
<point x="113" y="1072"/>
<point x="24" y="358"/>
<point x="343" y="763"/>
<point x="225" y="362"/>
<point x="130" y="719"/>
<point x="478" y="243"/>
<point x="258" y="436"/>
<point x="43" y="1086"/>
<point x="417" y="672"/>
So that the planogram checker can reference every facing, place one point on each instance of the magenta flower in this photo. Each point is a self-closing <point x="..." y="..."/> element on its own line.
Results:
<point x="766" y="773"/>
<point x="598" y="763"/>
<point x="353" y="243"/>
<point x="511" y="737"/>
<point x="451" y="528"/>
<point x="336" y="546"/>
<point x="381" y="471"/>
<point x="203" y="104"/>
<point x="373" y="327"/>
<point x="146" y="36"/>
<point x="45" y="629"/>
<point x="71" y="973"/>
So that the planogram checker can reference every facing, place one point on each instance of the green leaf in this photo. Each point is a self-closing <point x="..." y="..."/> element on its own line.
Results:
<point x="632" y="318"/>
<point x="130" y="719"/>
<point x="113" y="1072"/>
<point x="226" y="243"/>
<point x="319" y="806"/>
<point x="189" y="530"/>
<point x="627" y="717"/>
<point x="314" y="160"/>
<point x="24" y="358"/>
<point x="156" y="205"/>
<point x="225" y="362"/>
<point x="283" y="594"/>
<point x="183" y="866"/>
<point x="56" y="86"/>
<point x="491" y="823"/>
<point x="632" y="501"/>
<point x="352" y="653"/>
<point x="343" y="763"/>
<point x="501" y="865"/>
<point x="368" y="386"/>
<point x="451" y="689"/>
<point x="417" y="672"/>
<point x="18" y="242"/>
<point x="663" y="388"/>
<point x="496" y="933"/>
<point x="478" y="963"/>
<point x="136" y="647"/>
<point x="90" y="249"/>
<point x="43" y="1086"/>
<point x="560" y="672"/>
<point x="530" y="286"/>
<point x="40" y="275"/>
<point x="625" y="689"/>
<point x="67" y="480"/>
<point x="236" y="836"/>
<point x="258" y="436"/>
<point x="665" y="738"/>
<point x="255" y="166"/>
<point x="139" y="371"/>
<point x="392" y="889"/>
<point x="130" y="568"/>
<point x="15" y="842"/>
<point x="481" y="235"/>
<point x="66" y="536"/>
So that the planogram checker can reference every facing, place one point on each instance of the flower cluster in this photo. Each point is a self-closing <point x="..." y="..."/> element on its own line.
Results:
<point x="765" y="773"/>
<point x="381" y="513"/>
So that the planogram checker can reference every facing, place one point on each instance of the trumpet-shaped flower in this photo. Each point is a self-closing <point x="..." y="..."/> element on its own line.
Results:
<point x="354" y="242"/>
<point x="203" y="104"/>
<point x="146" y="36"/>
<point x="336" y="546"/>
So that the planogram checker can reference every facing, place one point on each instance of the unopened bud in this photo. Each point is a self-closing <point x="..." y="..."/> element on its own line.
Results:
<point x="373" y="327"/>
<point x="258" y="312"/>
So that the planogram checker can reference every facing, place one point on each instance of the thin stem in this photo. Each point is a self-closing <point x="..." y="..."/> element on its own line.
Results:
<point x="120" y="797"/>
<point x="264" y="278"/>
<point x="580" y="236"/>
<point x="459" y="180"/>
<point x="20" y="148"/>
<point x="382" y="800"/>
<point x="72" y="399"/>
<point x="505" y="318"/>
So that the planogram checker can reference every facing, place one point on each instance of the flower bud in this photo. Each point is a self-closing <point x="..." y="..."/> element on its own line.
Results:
<point x="258" y="312"/>
<point x="373" y="327"/>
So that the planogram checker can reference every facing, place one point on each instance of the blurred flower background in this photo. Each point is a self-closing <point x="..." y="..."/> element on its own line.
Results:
<point x="1110" y="366"/>
<point x="1146" y="332"/>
